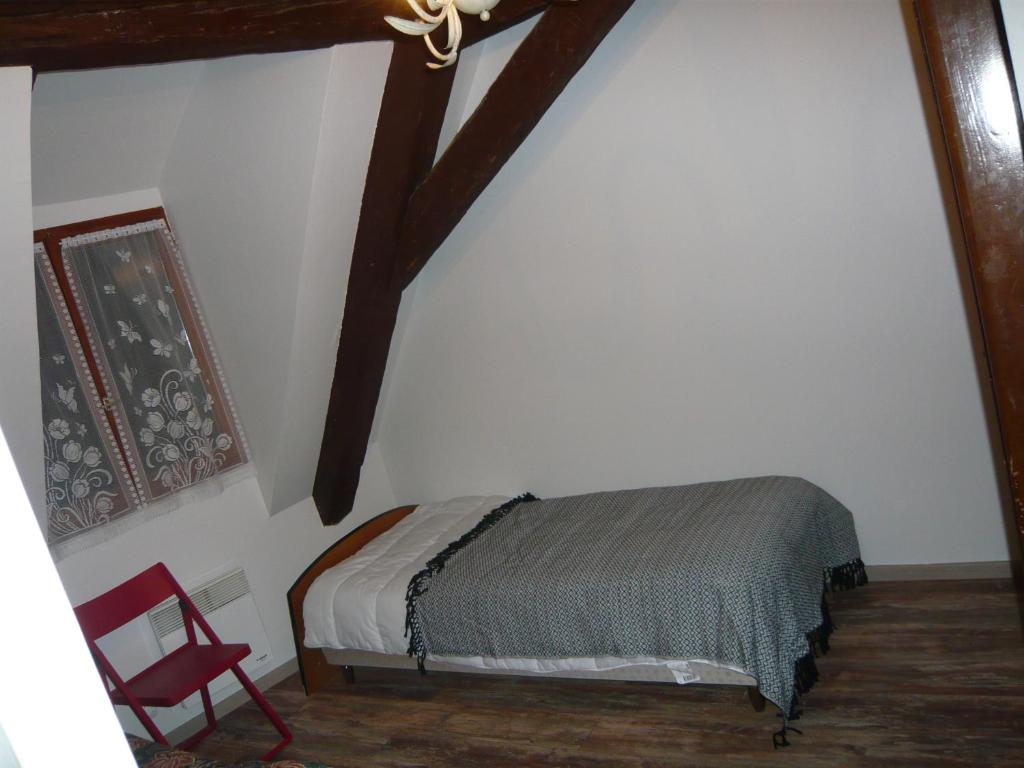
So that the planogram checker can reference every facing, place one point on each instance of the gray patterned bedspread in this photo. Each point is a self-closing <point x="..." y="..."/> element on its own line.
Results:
<point x="731" y="571"/>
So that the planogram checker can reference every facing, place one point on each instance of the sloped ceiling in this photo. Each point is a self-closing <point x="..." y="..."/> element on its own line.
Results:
<point x="104" y="132"/>
<point x="260" y="162"/>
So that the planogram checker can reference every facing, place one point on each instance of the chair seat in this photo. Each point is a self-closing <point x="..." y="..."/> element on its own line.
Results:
<point x="182" y="673"/>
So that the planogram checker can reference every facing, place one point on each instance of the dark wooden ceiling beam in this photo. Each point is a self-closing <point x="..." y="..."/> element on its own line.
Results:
<point x="538" y="71"/>
<point x="981" y="125"/>
<point x="546" y="60"/>
<point x="51" y="35"/>
<point x="411" y="115"/>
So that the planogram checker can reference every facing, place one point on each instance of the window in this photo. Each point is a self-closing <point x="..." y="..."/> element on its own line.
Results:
<point x="135" y="407"/>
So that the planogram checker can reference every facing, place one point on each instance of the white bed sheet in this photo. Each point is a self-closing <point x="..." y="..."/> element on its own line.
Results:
<point x="360" y="603"/>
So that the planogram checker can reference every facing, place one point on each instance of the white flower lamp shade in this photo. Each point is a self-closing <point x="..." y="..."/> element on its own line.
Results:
<point x="481" y="8"/>
<point x="438" y="12"/>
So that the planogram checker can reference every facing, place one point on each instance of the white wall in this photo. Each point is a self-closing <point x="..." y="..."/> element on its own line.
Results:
<point x="56" y="214"/>
<point x="7" y="757"/>
<point x="29" y="588"/>
<point x="20" y="407"/>
<point x="1013" y="18"/>
<point x="32" y="592"/>
<point x="237" y="187"/>
<point x="355" y="84"/>
<point x="723" y="252"/>
<point x="135" y="110"/>
<point x="263" y="184"/>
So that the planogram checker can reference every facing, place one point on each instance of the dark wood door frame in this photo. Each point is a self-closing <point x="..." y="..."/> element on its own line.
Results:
<point x="974" y="88"/>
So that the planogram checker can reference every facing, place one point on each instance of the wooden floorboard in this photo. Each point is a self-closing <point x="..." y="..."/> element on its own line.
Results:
<point x="920" y="674"/>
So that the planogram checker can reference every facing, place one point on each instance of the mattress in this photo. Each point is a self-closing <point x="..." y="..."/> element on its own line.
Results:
<point x="359" y="606"/>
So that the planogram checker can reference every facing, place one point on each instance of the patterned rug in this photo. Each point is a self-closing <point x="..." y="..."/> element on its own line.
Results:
<point x="149" y="754"/>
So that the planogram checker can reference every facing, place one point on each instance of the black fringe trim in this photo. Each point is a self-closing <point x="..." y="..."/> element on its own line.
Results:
<point x="420" y="582"/>
<point x="805" y="670"/>
<point x="847" y="576"/>
<point x="779" y="737"/>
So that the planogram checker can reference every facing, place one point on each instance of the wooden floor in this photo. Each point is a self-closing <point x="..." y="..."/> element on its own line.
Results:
<point x="923" y="673"/>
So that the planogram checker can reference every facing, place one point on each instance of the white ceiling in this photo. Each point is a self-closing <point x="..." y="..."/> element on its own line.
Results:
<point x="103" y="132"/>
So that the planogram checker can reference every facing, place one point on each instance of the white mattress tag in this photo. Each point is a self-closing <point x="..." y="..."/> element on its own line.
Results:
<point x="682" y="673"/>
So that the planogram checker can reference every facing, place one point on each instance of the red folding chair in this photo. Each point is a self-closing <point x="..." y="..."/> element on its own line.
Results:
<point x="182" y="672"/>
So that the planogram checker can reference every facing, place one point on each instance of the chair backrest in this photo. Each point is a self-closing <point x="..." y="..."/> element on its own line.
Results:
<point x="115" y="608"/>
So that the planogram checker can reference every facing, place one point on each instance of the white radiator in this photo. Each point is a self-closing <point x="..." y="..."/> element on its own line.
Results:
<point x="228" y="605"/>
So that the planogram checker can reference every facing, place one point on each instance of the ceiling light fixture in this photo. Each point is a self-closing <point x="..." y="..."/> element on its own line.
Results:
<point x="442" y="11"/>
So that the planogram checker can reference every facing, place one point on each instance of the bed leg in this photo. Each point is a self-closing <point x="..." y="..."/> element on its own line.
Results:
<point x="756" y="699"/>
<point x="349" y="673"/>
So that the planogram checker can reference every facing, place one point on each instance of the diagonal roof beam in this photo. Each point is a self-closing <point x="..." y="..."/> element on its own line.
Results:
<point x="411" y="115"/>
<point x="53" y="35"/>
<point x="396" y="235"/>
<point x="538" y="71"/>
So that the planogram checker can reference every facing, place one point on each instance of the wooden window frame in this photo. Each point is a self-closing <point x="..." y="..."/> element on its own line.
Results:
<point x="51" y="238"/>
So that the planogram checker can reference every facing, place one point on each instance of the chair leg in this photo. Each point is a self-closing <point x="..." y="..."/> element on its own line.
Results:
<point x="756" y="699"/>
<point x="148" y="724"/>
<point x="211" y="722"/>
<point x="268" y="710"/>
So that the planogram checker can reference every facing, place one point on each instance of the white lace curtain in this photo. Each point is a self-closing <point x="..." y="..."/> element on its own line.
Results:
<point x="87" y="483"/>
<point x="167" y="423"/>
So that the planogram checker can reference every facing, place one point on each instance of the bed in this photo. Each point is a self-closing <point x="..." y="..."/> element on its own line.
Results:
<point x="716" y="583"/>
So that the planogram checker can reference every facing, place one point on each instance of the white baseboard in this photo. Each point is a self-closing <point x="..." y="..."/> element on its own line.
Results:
<point x="993" y="569"/>
<point x="234" y="701"/>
